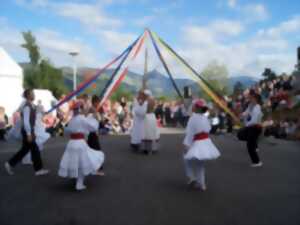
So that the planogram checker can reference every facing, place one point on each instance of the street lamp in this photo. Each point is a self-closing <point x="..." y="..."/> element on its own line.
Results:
<point x="74" y="54"/>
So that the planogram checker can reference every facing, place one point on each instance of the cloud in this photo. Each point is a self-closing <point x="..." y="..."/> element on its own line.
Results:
<point x="227" y="27"/>
<point x="210" y="34"/>
<point x="201" y="44"/>
<point x="115" y="41"/>
<point x="285" y="28"/>
<point x="53" y="45"/>
<point x="89" y="15"/>
<point x="249" y="12"/>
<point x="255" y="12"/>
<point x="232" y="3"/>
<point x="144" y="21"/>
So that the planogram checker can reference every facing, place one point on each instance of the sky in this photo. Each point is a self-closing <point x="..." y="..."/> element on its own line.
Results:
<point x="246" y="36"/>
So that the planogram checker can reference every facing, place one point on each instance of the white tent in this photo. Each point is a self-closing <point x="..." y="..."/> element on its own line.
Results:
<point x="11" y="83"/>
<point x="45" y="96"/>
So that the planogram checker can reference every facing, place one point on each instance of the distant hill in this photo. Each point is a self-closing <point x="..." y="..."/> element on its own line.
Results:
<point x="158" y="83"/>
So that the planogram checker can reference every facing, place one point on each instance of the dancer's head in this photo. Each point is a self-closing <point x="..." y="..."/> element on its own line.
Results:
<point x="199" y="106"/>
<point x="28" y="94"/>
<point x="77" y="107"/>
<point x="141" y="96"/>
<point x="95" y="100"/>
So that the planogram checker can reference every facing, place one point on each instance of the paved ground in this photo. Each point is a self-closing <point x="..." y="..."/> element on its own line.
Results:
<point x="151" y="190"/>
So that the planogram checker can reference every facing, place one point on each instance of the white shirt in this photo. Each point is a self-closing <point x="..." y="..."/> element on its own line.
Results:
<point x="197" y="123"/>
<point x="255" y="115"/>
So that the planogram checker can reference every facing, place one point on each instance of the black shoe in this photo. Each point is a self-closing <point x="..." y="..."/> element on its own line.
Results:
<point x="134" y="147"/>
<point x="145" y="152"/>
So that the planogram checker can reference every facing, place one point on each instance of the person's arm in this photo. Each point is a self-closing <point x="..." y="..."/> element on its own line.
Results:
<point x="189" y="134"/>
<point x="26" y="121"/>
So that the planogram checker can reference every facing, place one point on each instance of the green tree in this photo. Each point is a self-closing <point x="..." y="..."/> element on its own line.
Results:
<point x="269" y="74"/>
<point x="217" y="76"/>
<point x="32" y="48"/>
<point x="40" y="73"/>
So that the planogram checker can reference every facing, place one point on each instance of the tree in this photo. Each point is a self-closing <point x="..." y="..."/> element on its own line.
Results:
<point x="217" y="76"/>
<point x="40" y="73"/>
<point x="32" y="48"/>
<point x="269" y="74"/>
<point x="238" y="88"/>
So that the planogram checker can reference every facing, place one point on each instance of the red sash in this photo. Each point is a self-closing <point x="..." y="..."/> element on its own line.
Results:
<point x="200" y="136"/>
<point x="77" y="136"/>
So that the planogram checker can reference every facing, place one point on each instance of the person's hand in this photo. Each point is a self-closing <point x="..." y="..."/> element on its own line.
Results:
<point x="29" y="138"/>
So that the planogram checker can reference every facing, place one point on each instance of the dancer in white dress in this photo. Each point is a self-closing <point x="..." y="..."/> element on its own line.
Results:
<point x="139" y="111"/>
<point x="151" y="130"/>
<point x="199" y="146"/>
<point x="79" y="160"/>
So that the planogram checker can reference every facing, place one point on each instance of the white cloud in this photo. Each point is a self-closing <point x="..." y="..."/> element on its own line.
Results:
<point x="89" y="15"/>
<point x="255" y="12"/>
<point x="249" y="12"/>
<point x="144" y="21"/>
<point x="114" y="41"/>
<point x="227" y="27"/>
<point x="53" y="45"/>
<point x="216" y="31"/>
<point x="201" y="44"/>
<point x="232" y="3"/>
<point x="285" y="28"/>
<point x="56" y="47"/>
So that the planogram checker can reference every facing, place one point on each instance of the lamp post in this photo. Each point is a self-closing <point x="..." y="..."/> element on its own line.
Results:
<point x="74" y="54"/>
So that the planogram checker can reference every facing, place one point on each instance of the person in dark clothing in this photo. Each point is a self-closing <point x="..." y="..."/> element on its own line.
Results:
<point x="3" y="123"/>
<point x="28" y="118"/>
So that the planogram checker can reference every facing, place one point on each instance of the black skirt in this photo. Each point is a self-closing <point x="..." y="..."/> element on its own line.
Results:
<point x="93" y="141"/>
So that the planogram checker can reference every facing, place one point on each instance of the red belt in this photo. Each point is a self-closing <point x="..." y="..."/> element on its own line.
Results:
<point x="200" y="136"/>
<point x="77" y="136"/>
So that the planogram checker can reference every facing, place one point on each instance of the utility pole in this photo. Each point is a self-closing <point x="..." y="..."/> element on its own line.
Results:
<point x="145" y="70"/>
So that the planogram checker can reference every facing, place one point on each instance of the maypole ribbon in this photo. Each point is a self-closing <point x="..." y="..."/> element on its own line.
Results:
<point x="164" y="64"/>
<point x="109" y="82"/>
<point x="202" y="83"/>
<point x="85" y="84"/>
<point x="115" y="84"/>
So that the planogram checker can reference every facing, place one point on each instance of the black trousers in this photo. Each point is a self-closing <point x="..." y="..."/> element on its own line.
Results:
<point x="93" y="141"/>
<point x="251" y="135"/>
<point x="28" y="147"/>
<point x="2" y="134"/>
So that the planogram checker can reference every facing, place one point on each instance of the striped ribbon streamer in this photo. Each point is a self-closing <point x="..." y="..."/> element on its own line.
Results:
<point x="110" y="81"/>
<point x="202" y="83"/>
<point x="121" y="75"/>
<point x="164" y="64"/>
<point x="81" y="87"/>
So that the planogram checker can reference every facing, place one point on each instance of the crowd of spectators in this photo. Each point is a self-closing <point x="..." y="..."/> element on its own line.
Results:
<point x="278" y="95"/>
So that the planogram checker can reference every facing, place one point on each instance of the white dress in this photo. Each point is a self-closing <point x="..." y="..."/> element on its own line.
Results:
<point x="79" y="158"/>
<point x="137" y="131"/>
<point x="199" y="149"/>
<point x="151" y="131"/>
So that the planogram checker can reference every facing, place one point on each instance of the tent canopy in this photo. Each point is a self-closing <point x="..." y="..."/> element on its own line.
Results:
<point x="8" y="67"/>
<point x="11" y="83"/>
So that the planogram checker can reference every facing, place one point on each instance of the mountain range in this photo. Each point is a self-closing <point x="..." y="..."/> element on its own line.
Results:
<point x="158" y="83"/>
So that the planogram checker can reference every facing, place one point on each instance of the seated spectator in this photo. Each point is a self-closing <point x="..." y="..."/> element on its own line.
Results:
<point x="105" y="126"/>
